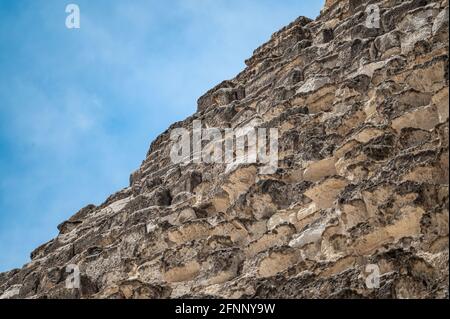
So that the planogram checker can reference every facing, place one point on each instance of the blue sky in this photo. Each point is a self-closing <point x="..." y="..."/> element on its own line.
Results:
<point x="79" y="108"/>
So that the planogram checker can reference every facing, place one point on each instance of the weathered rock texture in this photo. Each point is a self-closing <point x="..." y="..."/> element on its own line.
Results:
<point x="362" y="115"/>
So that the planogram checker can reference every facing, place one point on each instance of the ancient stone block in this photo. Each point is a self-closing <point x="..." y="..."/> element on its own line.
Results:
<point x="277" y="261"/>
<point x="361" y="179"/>
<point x="182" y="273"/>
<point x="324" y="194"/>
<point x="425" y="118"/>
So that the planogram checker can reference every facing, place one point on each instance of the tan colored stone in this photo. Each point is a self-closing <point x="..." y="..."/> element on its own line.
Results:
<point x="367" y="135"/>
<point x="425" y="118"/>
<point x="278" y="237"/>
<point x="277" y="262"/>
<point x="428" y="174"/>
<point x="239" y="182"/>
<point x="345" y="148"/>
<point x="353" y="213"/>
<point x="440" y="100"/>
<point x="427" y="79"/>
<point x="339" y="200"/>
<point x="407" y="226"/>
<point x="235" y="230"/>
<point x="325" y="193"/>
<point x="322" y="100"/>
<point x="339" y="266"/>
<point x="191" y="231"/>
<point x="307" y="211"/>
<point x="315" y="171"/>
<point x="343" y="164"/>
<point x="183" y="273"/>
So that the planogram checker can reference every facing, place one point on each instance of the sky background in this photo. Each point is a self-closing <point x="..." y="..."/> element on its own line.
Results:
<point x="79" y="108"/>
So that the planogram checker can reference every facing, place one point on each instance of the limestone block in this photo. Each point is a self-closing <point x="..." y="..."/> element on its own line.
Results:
<point x="182" y="273"/>
<point x="190" y="231"/>
<point x="315" y="171"/>
<point x="440" y="100"/>
<point x="425" y="118"/>
<point x="277" y="261"/>
<point x="325" y="193"/>
<point x="407" y="226"/>
<point x="277" y="237"/>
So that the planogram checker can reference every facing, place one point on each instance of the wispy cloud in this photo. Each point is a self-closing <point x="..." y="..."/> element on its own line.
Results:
<point x="78" y="109"/>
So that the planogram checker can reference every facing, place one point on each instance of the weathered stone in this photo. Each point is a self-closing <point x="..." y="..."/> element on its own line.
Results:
<point x="313" y="84"/>
<point x="362" y="178"/>
<point x="407" y="226"/>
<point x="189" y="231"/>
<point x="318" y="170"/>
<point x="387" y="44"/>
<point x="425" y="118"/>
<point x="276" y="262"/>
<point x="440" y="100"/>
<point x="183" y="273"/>
<point x="277" y="237"/>
<point x="324" y="194"/>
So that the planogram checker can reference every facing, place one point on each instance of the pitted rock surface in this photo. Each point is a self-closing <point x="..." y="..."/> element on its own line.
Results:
<point x="363" y="176"/>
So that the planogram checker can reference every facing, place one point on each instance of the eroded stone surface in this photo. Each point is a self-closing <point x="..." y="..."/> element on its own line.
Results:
<point x="362" y="180"/>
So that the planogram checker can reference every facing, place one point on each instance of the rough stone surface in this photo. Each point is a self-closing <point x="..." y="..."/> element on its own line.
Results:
<point x="362" y="180"/>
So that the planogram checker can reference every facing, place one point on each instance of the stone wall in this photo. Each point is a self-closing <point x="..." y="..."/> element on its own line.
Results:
<point x="362" y="184"/>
